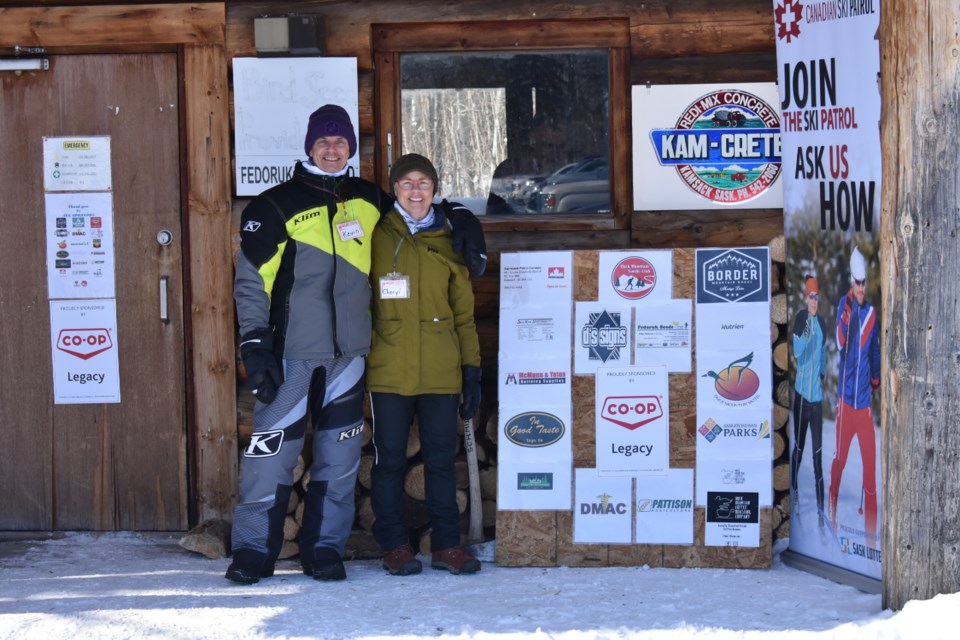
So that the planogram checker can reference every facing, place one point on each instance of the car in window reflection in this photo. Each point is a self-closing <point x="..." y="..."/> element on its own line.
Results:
<point x="581" y="187"/>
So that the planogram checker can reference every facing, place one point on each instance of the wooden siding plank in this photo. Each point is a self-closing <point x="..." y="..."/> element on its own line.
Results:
<point x="208" y="165"/>
<point x="113" y="26"/>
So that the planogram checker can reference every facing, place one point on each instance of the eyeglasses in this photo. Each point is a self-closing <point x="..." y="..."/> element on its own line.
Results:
<point x="860" y="283"/>
<point x="813" y="296"/>
<point x="409" y="185"/>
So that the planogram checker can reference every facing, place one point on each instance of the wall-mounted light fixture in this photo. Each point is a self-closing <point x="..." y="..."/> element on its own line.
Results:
<point x="288" y="36"/>
<point x="19" y="65"/>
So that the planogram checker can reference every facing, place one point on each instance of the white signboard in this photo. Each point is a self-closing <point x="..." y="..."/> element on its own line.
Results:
<point x="273" y="100"/>
<point x="704" y="146"/>
<point x="536" y="280"/>
<point x="535" y="332"/>
<point x="602" y="336"/>
<point x="663" y="334"/>
<point x="537" y="485"/>
<point x="535" y="457"/>
<point x="733" y="520"/>
<point x="86" y="368"/>
<point x="602" y="513"/>
<point x="634" y="276"/>
<point x="740" y="474"/>
<point x="77" y="163"/>
<point x="541" y="381"/>
<point x="80" y="251"/>
<point x="632" y="420"/>
<point x="665" y="508"/>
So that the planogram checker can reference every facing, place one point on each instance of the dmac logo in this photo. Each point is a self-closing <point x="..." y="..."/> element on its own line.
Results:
<point x="726" y="146"/>
<point x="84" y="343"/>
<point x="606" y="506"/>
<point x="632" y="412"/>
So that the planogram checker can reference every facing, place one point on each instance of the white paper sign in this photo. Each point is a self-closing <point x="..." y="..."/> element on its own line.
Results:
<point x="733" y="380"/>
<point x="536" y="381"/>
<point x="528" y="434"/>
<point x="733" y="520"/>
<point x="665" y="508"/>
<point x="535" y="485"/>
<point x="273" y="100"/>
<point x="80" y="251"/>
<point x="536" y="279"/>
<point x="535" y="332"/>
<point x="634" y="276"/>
<point x="741" y="433"/>
<point x="602" y="336"/>
<point x="663" y="334"/>
<point x="77" y="163"/>
<point x="729" y="324"/>
<point x="633" y="420"/>
<point x="755" y="476"/>
<point x="86" y="367"/>
<point x="602" y="512"/>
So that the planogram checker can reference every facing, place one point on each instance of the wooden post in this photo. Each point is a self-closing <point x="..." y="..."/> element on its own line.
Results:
<point x="920" y="264"/>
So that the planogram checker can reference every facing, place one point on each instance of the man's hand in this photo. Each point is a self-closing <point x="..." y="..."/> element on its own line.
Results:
<point x="467" y="236"/>
<point x="264" y="374"/>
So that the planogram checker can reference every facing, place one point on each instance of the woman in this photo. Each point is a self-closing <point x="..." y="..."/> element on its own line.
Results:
<point x="425" y="351"/>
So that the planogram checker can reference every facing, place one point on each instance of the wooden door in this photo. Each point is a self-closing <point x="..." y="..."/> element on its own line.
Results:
<point x="118" y="466"/>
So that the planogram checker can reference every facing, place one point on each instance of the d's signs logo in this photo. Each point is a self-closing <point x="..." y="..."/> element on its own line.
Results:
<point x="632" y="412"/>
<point x="84" y="343"/>
<point x="603" y="336"/>
<point x="725" y="146"/>
<point x="633" y="278"/>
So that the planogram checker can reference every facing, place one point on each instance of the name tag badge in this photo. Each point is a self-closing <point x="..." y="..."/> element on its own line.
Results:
<point x="350" y="230"/>
<point x="394" y="286"/>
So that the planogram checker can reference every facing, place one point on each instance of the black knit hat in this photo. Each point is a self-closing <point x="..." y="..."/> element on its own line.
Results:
<point x="408" y="164"/>
<point x="330" y="120"/>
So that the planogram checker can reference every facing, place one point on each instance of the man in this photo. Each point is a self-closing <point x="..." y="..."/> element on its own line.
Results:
<point x="303" y="297"/>
<point x="809" y="339"/>
<point x="858" y="343"/>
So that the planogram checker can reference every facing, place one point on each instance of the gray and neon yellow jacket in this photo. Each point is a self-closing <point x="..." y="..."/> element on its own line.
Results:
<point x="420" y="343"/>
<point x="297" y="276"/>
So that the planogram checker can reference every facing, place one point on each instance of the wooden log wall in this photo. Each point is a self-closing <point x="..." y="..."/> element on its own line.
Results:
<point x="670" y="43"/>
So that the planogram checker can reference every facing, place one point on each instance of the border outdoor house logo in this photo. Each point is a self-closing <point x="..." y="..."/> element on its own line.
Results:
<point x="732" y="276"/>
<point x="534" y="429"/>
<point x="632" y="412"/>
<point x="634" y="278"/>
<point x="787" y="16"/>
<point x="84" y="343"/>
<point x="603" y="336"/>
<point x="726" y="146"/>
<point x="737" y="382"/>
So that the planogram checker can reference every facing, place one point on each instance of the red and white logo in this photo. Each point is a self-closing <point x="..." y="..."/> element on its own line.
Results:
<point x="633" y="278"/>
<point x="632" y="412"/>
<point x="84" y="343"/>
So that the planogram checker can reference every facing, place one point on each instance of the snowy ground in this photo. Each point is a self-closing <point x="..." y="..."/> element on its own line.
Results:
<point x="111" y="586"/>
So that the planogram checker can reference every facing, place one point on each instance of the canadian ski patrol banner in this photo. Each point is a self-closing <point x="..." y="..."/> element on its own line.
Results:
<point x="828" y="65"/>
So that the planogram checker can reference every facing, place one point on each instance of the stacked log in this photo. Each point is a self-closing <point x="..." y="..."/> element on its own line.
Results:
<point x="780" y="520"/>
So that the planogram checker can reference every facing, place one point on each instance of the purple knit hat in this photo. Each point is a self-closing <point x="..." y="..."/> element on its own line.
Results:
<point x="330" y="120"/>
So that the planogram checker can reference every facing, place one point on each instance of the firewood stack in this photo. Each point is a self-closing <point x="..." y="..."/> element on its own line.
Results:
<point x="780" y="335"/>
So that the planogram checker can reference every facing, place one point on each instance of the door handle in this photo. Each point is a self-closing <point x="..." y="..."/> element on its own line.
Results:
<point x="164" y="312"/>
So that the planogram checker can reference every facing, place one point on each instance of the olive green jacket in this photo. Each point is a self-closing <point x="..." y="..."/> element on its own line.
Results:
<point x="420" y="343"/>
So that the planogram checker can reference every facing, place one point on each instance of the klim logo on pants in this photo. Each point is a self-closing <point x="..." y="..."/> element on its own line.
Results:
<point x="264" y="445"/>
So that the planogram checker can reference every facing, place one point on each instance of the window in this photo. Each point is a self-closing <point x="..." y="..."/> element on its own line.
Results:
<point x="519" y="127"/>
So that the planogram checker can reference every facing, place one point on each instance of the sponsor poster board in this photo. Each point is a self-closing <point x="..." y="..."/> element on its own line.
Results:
<point x="535" y="457"/>
<point x="632" y="420"/>
<point x="733" y="519"/>
<point x="83" y="336"/>
<point x="77" y="163"/>
<point x="602" y="514"/>
<point x="665" y="508"/>
<point x="535" y="332"/>
<point x="706" y="146"/>
<point x="80" y="249"/>
<point x="273" y="100"/>
<point x="734" y="474"/>
<point x="534" y="485"/>
<point x="634" y="276"/>
<point x="663" y="334"/>
<point x="828" y="63"/>
<point x="602" y="336"/>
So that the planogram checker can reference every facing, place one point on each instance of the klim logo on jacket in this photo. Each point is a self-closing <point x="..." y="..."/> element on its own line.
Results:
<point x="264" y="445"/>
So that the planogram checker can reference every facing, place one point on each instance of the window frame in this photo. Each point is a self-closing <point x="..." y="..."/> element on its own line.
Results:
<point x="391" y="40"/>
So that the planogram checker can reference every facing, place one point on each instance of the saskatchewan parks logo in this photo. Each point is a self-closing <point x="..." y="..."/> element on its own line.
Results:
<point x="725" y="146"/>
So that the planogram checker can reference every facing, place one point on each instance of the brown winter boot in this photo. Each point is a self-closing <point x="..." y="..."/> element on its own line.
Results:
<point x="401" y="561"/>
<point x="455" y="560"/>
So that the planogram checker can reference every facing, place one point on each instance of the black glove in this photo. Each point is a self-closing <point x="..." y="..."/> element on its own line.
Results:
<point x="471" y="392"/>
<point x="467" y="236"/>
<point x="264" y="373"/>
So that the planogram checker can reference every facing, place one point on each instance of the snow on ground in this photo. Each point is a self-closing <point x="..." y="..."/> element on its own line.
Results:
<point x="125" y="585"/>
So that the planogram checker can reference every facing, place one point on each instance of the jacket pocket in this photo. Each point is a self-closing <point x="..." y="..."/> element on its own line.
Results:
<point x="439" y="349"/>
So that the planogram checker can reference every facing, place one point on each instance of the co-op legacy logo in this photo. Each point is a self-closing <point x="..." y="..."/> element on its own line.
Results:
<point x="632" y="412"/>
<point x="84" y="343"/>
<point x="726" y="146"/>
